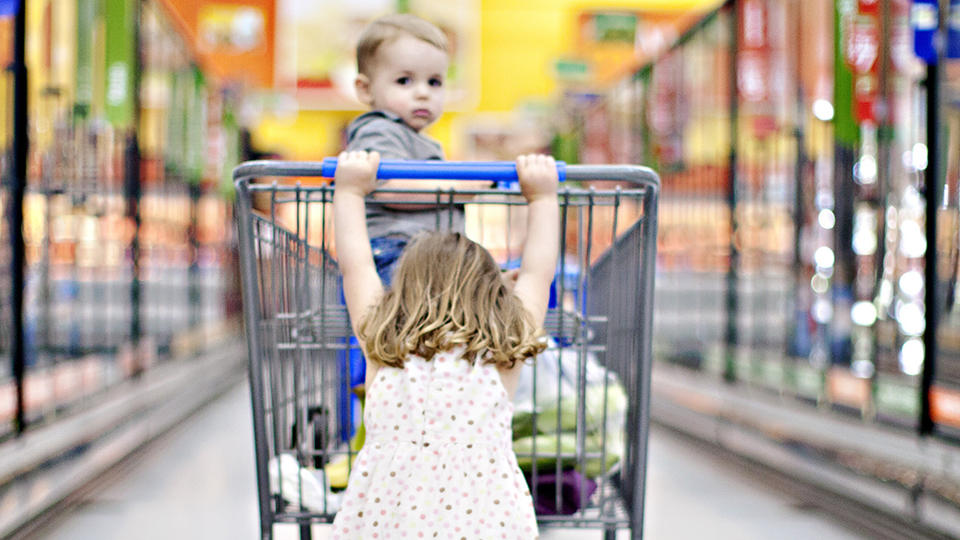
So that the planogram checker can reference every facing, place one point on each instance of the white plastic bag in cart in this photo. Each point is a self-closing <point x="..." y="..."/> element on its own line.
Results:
<point x="555" y="402"/>
<point x="551" y="385"/>
<point x="285" y="471"/>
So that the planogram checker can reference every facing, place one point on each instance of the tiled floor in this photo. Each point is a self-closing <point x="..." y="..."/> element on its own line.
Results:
<point x="198" y="482"/>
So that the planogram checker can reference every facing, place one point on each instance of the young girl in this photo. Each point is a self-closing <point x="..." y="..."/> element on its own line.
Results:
<point x="444" y="346"/>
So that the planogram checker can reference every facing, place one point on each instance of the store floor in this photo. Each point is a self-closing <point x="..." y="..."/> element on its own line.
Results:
<point x="198" y="482"/>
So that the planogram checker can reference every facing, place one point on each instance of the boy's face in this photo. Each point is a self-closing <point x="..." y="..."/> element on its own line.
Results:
<point x="406" y="79"/>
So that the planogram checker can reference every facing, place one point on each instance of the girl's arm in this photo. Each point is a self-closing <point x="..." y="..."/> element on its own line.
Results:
<point x="354" y="179"/>
<point x="538" y="183"/>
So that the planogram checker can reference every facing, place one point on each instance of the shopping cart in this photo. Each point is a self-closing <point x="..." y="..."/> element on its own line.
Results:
<point x="582" y="409"/>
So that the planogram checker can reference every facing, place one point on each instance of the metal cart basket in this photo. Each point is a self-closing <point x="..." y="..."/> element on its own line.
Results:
<point x="582" y="409"/>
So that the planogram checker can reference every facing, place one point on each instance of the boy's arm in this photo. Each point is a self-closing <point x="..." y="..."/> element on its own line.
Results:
<point x="425" y="201"/>
<point x="538" y="182"/>
<point x="354" y="179"/>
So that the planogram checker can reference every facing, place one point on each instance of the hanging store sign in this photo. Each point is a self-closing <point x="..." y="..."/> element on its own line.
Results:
<point x="925" y="19"/>
<point x="863" y="44"/>
<point x="953" y="31"/>
<point x="861" y="54"/>
<point x="9" y="8"/>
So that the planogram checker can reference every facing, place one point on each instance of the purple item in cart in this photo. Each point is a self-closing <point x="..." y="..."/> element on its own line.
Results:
<point x="574" y="488"/>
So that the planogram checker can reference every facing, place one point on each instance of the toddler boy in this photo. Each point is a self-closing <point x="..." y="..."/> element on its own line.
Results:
<point x="402" y="63"/>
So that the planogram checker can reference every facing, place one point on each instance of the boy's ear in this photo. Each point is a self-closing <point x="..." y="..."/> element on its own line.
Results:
<point x="362" y="87"/>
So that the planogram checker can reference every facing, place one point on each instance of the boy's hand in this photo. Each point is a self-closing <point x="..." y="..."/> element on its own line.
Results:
<point x="538" y="176"/>
<point x="357" y="172"/>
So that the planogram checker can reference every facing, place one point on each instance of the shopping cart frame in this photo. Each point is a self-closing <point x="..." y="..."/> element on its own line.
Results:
<point x="635" y="457"/>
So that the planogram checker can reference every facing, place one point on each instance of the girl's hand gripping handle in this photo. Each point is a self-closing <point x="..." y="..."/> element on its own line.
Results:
<point x="538" y="177"/>
<point x="357" y="172"/>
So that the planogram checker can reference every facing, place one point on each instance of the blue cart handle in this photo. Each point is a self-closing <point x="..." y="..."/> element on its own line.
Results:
<point x="500" y="171"/>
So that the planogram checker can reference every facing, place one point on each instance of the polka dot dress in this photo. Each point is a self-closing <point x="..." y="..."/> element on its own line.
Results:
<point x="438" y="460"/>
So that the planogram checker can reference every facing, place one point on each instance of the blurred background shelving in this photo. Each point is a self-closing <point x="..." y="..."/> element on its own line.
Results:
<point x="808" y="236"/>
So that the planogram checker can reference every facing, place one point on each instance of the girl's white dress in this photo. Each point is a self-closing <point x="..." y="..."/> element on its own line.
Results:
<point x="438" y="460"/>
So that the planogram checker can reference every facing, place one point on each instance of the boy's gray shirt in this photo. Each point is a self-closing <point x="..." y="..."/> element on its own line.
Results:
<point x="387" y="134"/>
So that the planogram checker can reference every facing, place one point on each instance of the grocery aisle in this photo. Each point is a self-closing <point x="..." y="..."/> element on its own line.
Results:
<point x="198" y="482"/>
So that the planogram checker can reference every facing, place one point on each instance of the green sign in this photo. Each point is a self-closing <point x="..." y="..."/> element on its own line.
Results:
<point x="121" y="61"/>
<point x="231" y="158"/>
<point x="568" y="70"/>
<point x="175" y="147"/>
<point x="86" y="19"/>
<point x="186" y="150"/>
<point x="615" y="28"/>
<point x="845" y="125"/>
<point x="196" y="126"/>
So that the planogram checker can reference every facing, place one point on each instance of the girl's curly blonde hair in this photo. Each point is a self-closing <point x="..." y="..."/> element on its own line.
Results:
<point x="447" y="292"/>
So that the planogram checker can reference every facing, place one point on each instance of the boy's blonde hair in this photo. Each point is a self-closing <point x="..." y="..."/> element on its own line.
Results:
<point x="446" y="292"/>
<point x="391" y="27"/>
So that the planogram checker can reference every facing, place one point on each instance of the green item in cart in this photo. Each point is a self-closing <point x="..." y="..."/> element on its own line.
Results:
<point x="547" y="419"/>
<point x="547" y="453"/>
<point x="552" y="394"/>
<point x="566" y="411"/>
